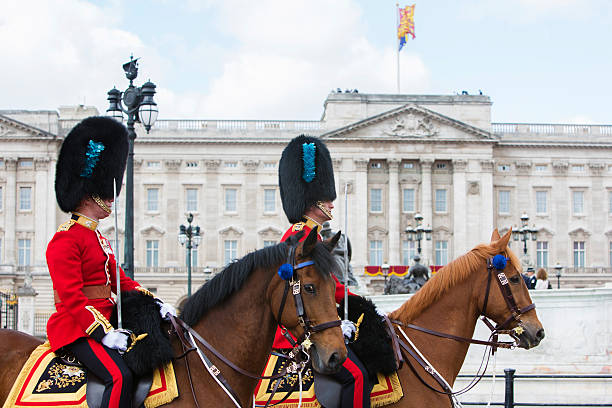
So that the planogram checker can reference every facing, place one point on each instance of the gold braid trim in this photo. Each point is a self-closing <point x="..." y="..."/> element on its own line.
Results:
<point x="101" y="203"/>
<point x="99" y="320"/>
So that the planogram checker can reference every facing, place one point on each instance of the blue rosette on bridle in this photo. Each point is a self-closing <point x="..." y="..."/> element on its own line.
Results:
<point x="500" y="261"/>
<point x="285" y="271"/>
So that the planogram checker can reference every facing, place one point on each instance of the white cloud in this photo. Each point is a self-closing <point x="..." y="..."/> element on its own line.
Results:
<point x="285" y="58"/>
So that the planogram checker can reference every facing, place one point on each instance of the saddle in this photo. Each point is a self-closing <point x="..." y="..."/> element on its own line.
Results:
<point x="51" y="380"/>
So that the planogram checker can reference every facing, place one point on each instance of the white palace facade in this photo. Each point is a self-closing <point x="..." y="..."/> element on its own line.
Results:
<point x="396" y="155"/>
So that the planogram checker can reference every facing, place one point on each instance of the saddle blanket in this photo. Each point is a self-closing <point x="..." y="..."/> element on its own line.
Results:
<point x="46" y="381"/>
<point x="387" y="391"/>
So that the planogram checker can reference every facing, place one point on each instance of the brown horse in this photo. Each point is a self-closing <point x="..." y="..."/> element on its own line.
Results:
<point x="236" y="313"/>
<point x="451" y="302"/>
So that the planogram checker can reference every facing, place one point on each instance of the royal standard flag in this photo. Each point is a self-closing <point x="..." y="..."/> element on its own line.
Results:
<point x="406" y="25"/>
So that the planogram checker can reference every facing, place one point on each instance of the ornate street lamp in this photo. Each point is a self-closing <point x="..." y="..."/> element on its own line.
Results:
<point x="385" y="270"/>
<point x="558" y="269"/>
<point x="139" y="106"/>
<point x="524" y="233"/>
<point x="417" y="233"/>
<point x="189" y="235"/>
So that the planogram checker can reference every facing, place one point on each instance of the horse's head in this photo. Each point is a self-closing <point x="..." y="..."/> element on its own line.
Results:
<point x="505" y="298"/>
<point x="306" y="303"/>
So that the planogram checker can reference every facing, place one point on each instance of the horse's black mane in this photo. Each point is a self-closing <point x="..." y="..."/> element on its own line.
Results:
<point x="233" y="276"/>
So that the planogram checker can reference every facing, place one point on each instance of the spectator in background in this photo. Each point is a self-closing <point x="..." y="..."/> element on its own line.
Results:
<point x="542" y="280"/>
<point x="529" y="278"/>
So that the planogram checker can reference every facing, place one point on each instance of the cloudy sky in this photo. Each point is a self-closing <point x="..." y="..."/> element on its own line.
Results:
<point x="539" y="60"/>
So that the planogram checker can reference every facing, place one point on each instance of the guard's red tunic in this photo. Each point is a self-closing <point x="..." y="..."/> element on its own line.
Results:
<point x="279" y="340"/>
<point x="77" y="256"/>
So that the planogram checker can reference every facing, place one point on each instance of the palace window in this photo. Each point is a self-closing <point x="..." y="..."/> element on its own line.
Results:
<point x="191" y="199"/>
<point x="152" y="253"/>
<point x="578" y="202"/>
<point x="409" y="200"/>
<point x="230" y="200"/>
<point x="26" y="163"/>
<point x="376" y="252"/>
<point x="269" y="200"/>
<point x="579" y="254"/>
<point x="540" y="167"/>
<point x="25" y="198"/>
<point x="441" y="252"/>
<point x="541" y="202"/>
<point x="230" y="251"/>
<point x="24" y="252"/>
<point x="542" y="254"/>
<point x="230" y="165"/>
<point x="376" y="200"/>
<point x="441" y="200"/>
<point x="152" y="199"/>
<point x="503" y="202"/>
<point x="268" y="243"/>
<point x="153" y="164"/>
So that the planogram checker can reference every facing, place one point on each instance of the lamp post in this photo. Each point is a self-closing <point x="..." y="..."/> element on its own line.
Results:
<point x="385" y="270"/>
<point x="139" y="106"/>
<point x="558" y="269"/>
<point x="417" y="233"/>
<point x="525" y="232"/>
<point x="191" y="236"/>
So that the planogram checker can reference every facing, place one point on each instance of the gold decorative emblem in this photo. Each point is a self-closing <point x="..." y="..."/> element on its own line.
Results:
<point x="65" y="226"/>
<point x="307" y="344"/>
<point x="518" y="330"/>
<point x="44" y="385"/>
<point x="134" y="339"/>
<point x="298" y="226"/>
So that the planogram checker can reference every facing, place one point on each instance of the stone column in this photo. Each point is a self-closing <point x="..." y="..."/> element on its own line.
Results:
<point x="25" y="315"/>
<point x="598" y="249"/>
<point x="426" y="209"/>
<point x="358" y="217"/>
<point x="486" y="194"/>
<point x="250" y="205"/>
<point x="560" y="204"/>
<point x="393" y="218"/>
<point x="214" y="198"/>
<point x="10" y="212"/>
<point x="41" y="235"/>
<point x="51" y="207"/>
<point x="459" y="209"/>
<point x="525" y="204"/>
<point x="172" y="190"/>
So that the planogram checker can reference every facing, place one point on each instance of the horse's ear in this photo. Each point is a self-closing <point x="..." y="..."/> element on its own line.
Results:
<point x="331" y="243"/>
<point x="495" y="236"/>
<point x="503" y="241"/>
<point x="310" y="242"/>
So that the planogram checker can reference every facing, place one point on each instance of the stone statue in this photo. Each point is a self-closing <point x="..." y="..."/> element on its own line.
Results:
<point x="338" y="253"/>
<point x="418" y="275"/>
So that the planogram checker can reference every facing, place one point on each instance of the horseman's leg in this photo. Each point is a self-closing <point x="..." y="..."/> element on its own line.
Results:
<point x="355" y="382"/>
<point x="109" y="366"/>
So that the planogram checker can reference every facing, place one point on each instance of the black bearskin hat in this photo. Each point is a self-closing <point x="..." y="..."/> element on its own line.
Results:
<point x="305" y="176"/>
<point x="92" y="155"/>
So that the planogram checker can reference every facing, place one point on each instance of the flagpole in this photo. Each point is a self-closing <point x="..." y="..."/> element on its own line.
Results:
<point x="397" y="45"/>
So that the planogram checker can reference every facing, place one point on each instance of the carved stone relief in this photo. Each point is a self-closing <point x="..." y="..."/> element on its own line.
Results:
<point x="411" y="125"/>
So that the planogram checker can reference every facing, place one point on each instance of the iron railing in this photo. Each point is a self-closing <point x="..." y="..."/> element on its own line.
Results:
<point x="8" y="311"/>
<point x="509" y="390"/>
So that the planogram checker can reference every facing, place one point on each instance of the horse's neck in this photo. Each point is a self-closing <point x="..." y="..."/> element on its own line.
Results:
<point x="454" y="313"/>
<point x="242" y="329"/>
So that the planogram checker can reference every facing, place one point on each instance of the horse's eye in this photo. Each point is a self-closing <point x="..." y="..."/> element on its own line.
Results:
<point x="309" y="288"/>
<point x="515" y="279"/>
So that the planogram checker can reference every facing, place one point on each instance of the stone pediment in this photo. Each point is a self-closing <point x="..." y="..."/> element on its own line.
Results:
<point x="414" y="123"/>
<point x="11" y="128"/>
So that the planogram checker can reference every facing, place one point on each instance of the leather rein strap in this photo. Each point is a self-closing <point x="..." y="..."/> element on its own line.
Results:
<point x="515" y="315"/>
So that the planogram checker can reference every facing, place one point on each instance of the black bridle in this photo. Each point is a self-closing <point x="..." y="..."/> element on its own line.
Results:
<point x="296" y="291"/>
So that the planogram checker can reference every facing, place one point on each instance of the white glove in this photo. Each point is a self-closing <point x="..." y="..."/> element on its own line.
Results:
<point x="348" y="329"/>
<point x="165" y="309"/>
<point x="116" y="339"/>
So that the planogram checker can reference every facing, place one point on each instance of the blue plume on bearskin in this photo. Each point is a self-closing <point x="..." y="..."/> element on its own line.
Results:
<point x="92" y="155"/>
<point x="373" y="344"/>
<point x="308" y="158"/>
<point x="140" y="314"/>
<point x="296" y="167"/>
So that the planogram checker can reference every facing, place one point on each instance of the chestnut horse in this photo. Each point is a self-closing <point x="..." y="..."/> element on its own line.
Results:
<point x="451" y="302"/>
<point x="236" y="313"/>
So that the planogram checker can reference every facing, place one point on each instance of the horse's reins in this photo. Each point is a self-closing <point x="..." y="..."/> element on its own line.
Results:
<point x="515" y="316"/>
<point x="296" y="356"/>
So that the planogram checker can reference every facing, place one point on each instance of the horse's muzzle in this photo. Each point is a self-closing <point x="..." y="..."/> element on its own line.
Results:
<point x="326" y="362"/>
<point x="531" y="336"/>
